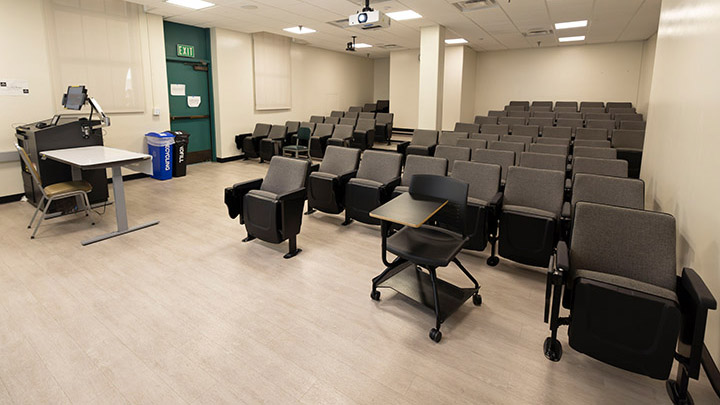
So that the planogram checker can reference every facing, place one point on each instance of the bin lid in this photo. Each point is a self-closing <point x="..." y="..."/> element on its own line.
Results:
<point x="160" y="135"/>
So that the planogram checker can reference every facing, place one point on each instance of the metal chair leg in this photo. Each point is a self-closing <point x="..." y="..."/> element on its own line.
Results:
<point x="39" y="206"/>
<point x="47" y="205"/>
<point x="87" y="206"/>
<point x="435" y="333"/>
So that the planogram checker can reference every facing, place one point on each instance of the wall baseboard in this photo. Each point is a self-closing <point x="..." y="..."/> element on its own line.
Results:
<point x="230" y="159"/>
<point x="11" y="198"/>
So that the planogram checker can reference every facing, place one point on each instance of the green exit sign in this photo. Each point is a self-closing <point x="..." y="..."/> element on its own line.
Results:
<point x="186" y="51"/>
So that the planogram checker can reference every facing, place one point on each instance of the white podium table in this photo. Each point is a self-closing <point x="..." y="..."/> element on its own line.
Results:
<point x="99" y="157"/>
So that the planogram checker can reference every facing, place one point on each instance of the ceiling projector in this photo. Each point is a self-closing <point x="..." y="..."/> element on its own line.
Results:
<point x="371" y="19"/>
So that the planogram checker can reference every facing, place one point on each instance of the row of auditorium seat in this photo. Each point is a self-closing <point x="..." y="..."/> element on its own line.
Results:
<point x="565" y="105"/>
<point x="629" y="121"/>
<point x="382" y="106"/>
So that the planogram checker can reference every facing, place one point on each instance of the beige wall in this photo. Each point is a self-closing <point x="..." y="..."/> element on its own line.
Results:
<point x="322" y="81"/>
<point x="30" y="61"/>
<point x="646" y="74"/>
<point x="607" y="72"/>
<point x="680" y="163"/>
<point x="404" y="87"/>
<point x="459" y="86"/>
<point x="381" y="79"/>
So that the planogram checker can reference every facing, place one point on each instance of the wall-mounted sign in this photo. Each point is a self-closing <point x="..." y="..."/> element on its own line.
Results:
<point x="185" y="51"/>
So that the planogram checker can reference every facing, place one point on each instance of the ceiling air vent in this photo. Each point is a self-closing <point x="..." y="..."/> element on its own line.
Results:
<point x="343" y="23"/>
<point x="474" y="5"/>
<point x="537" y="33"/>
<point x="390" y="46"/>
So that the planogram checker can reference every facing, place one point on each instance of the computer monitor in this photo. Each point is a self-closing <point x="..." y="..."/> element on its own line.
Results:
<point x="75" y="97"/>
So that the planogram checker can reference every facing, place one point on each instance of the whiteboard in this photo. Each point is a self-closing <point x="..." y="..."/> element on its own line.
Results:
<point x="273" y="84"/>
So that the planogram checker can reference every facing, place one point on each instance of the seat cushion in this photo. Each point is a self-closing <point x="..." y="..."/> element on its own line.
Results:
<point x="528" y="211"/>
<point x="67" y="187"/>
<point x="418" y="150"/>
<point x="426" y="246"/>
<point x="263" y="194"/>
<point x="323" y="175"/>
<point x="365" y="182"/>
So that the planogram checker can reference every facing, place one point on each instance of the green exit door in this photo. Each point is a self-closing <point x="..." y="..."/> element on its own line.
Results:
<point x="188" y="72"/>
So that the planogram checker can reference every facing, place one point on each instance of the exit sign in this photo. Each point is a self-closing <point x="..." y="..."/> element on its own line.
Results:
<point x="186" y="51"/>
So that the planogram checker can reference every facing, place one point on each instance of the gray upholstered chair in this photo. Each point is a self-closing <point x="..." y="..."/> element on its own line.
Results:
<point x="616" y="104"/>
<point x="543" y="161"/>
<point x="292" y="128"/>
<point x="592" y="110"/>
<point x="598" y="116"/>
<point x="527" y="140"/>
<point x="603" y="167"/>
<point x="548" y="140"/>
<point x="543" y="104"/>
<point x="502" y="158"/>
<point x="318" y="119"/>
<point x="250" y="143"/>
<point x="416" y="164"/>
<point x="558" y="132"/>
<point x="484" y="196"/>
<point x="349" y="121"/>
<point x="338" y="114"/>
<point x="628" y="306"/>
<point x="384" y="127"/>
<point x="541" y="122"/>
<point x="356" y="108"/>
<point x="326" y="187"/>
<point x="483" y="119"/>
<point x="467" y="127"/>
<point x="472" y="144"/>
<point x="592" y="143"/>
<point x="515" y="147"/>
<point x="486" y="137"/>
<point x="519" y="114"/>
<point x="524" y="104"/>
<point x="530" y="217"/>
<point x="607" y="124"/>
<point x="591" y="104"/>
<point x="591" y="134"/>
<point x="497" y="113"/>
<point x="569" y="115"/>
<point x="549" y="148"/>
<point x="451" y="137"/>
<point x="423" y="142"/>
<point x="341" y="136"/>
<point x="378" y="175"/>
<point x="366" y="115"/>
<point x="573" y="123"/>
<point x="364" y="134"/>
<point x="452" y="154"/>
<point x="629" y="146"/>
<point x="352" y="114"/>
<point x="319" y="139"/>
<point x="498" y="129"/>
<point x="544" y="114"/>
<point x="511" y="122"/>
<point x="533" y="131"/>
<point x="332" y="120"/>
<point x="273" y="144"/>
<point x="566" y="104"/>
<point x="599" y="153"/>
<point x="636" y="125"/>
<point x="271" y="208"/>
<point x="369" y="107"/>
<point x="617" y="191"/>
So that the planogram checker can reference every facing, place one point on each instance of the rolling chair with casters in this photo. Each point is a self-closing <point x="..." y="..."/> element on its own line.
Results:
<point x="302" y="137"/>
<point x="377" y="176"/>
<point x="250" y="143"/>
<point x="326" y="187"/>
<point x="272" y="208"/>
<point x="431" y="246"/>
<point x="628" y="307"/>
<point x="53" y="192"/>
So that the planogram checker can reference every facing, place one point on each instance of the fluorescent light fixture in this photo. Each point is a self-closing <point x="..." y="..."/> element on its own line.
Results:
<point x="403" y="15"/>
<point x="456" y="41"/>
<point x="362" y="45"/>
<point x="299" y="30"/>
<point x="572" y="39"/>
<point x="193" y="4"/>
<point x="570" y="24"/>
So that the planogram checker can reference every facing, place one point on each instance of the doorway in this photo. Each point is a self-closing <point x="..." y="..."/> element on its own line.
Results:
<point x="187" y="52"/>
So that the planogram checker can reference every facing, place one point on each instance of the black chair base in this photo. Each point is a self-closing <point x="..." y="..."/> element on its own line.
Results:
<point x="553" y="349"/>
<point x="292" y="246"/>
<point x="678" y="392"/>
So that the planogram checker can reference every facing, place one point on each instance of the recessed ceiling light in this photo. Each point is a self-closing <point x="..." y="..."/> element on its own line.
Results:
<point x="362" y="45"/>
<point x="571" y="24"/>
<point x="299" y="30"/>
<point x="572" y="39"/>
<point x="404" y="15"/>
<point x="456" y="41"/>
<point x="193" y="4"/>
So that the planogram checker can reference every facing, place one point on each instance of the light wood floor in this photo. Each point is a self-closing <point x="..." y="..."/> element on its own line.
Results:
<point x="184" y="312"/>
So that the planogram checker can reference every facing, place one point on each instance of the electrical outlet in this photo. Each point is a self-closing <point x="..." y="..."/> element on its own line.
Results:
<point x="156" y="111"/>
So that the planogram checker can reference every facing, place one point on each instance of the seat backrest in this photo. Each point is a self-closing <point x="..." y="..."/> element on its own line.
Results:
<point x="607" y="124"/>
<point x="452" y="215"/>
<point x="292" y="126"/>
<point x="261" y="130"/>
<point x="416" y="164"/>
<point x="591" y="104"/>
<point x="384" y="118"/>
<point x="451" y="137"/>
<point x="615" y="104"/>
<point x="535" y="188"/>
<point x="497" y="113"/>
<point x="342" y="131"/>
<point x="351" y="114"/>
<point x="338" y="114"/>
<point x="365" y="124"/>
<point x="338" y="160"/>
<point x="526" y="130"/>
<point x="323" y="129"/>
<point x="452" y="154"/>
<point x="627" y="117"/>
<point x="544" y="114"/>
<point x="605" y="167"/>
<point x="629" y="110"/>
<point x="543" y="161"/>
<point x="424" y="137"/>
<point x="277" y="132"/>
<point x="632" y="139"/>
<point x="600" y="153"/>
<point x="318" y="119"/>
<point x="355" y="108"/>
<point x="285" y="175"/>
<point x="472" y="143"/>
<point x="466" y="127"/>
<point x="383" y="106"/>
<point x="512" y="121"/>
<point x="633" y="125"/>
<point x="483" y="178"/>
<point x="592" y="143"/>
<point x="369" y="107"/>
<point x="527" y="140"/>
<point x="348" y="121"/>
<point x="29" y="166"/>
<point x="545" y="140"/>
<point x="486" y="137"/>
<point x="591" y="134"/>
<point x="540" y="108"/>
<point x="618" y="191"/>
<point x="595" y="113"/>
<point x="636" y="244"/>
<point x="570" y="115"/>
<point x="517" y="147"/>
<point x="483" y="119"/>
<point x="309" y="125"/>
<point x="332" y="120"/>
<point x="557" y="132"/>
<point x="509" y="108"/>
<point x="541" y="122"/>
<point x="525" y="104"/>
<point x="548" y="148"/>
<point x="569" y="122"/>
<point x="504" y="158"/>
<point x="565" y="110"/>
<point x="519" y="114"/>
<point x="380" y="166"/>
<point x="367" y="115"/>
<point x="303" y="134"/>
<point x="542" y="104"/>
<point x="500" y="129"/>
<point x="566" y="104"/>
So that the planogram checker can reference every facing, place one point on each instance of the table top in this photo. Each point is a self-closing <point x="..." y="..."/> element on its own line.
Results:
<point x="94" y="156"/>
<point x="408" y="210"/>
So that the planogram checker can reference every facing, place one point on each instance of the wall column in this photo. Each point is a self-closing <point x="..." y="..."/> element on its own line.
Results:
<point x="432" y="62"/>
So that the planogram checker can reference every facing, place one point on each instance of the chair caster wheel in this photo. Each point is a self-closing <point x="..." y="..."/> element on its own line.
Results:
<point x="93" y="224"/>
<point x="435" y="335"/>
<point x="28" y="227"/>
<point x="477" y="300"/>
<point x="493" y="261"/>
<point x="553" y="349"/>
<point x="375" y="295"/>
<point x="32" y="237"/>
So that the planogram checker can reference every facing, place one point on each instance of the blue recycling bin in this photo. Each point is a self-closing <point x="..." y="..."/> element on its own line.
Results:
<point x="160" y="147"/>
